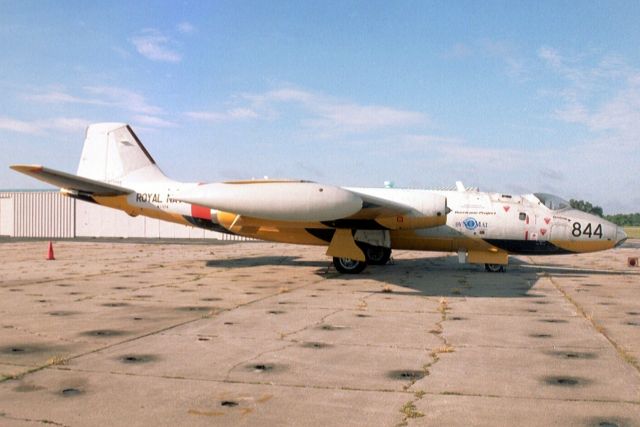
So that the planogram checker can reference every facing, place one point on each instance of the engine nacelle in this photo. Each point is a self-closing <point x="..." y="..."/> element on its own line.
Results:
<point x="428" y="212"/>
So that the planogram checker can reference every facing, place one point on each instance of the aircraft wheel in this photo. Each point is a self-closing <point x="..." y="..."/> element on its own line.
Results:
<point x="348" y="265"/>
<point x="377" y="255"/>
<point x="494" y="268"/>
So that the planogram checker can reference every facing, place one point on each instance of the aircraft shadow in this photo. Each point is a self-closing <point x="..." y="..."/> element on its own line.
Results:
<point x="245" y="262"/>
<point x="433" y="276"/>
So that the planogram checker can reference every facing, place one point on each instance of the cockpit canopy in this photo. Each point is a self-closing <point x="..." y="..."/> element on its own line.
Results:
<point x="554" y="203"/>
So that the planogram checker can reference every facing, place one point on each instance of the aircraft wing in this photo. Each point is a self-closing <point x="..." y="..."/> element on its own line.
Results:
<point x="375" y="207"/>
<point x="71" y="182"/>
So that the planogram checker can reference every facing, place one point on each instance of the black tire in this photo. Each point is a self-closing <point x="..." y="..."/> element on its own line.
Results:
<point x="494" y="268"/>
<point x="376" y="255"/>
<point x="348" y="265"/>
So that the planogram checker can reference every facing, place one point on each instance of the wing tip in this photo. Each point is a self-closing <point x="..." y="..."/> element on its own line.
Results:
<point x="27" y="168"/>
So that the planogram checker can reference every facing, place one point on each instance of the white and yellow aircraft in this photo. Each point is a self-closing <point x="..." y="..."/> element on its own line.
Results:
<point x="360" y="226"/>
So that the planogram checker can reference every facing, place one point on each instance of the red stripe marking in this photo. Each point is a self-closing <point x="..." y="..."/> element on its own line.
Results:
<point x="201" y="212"/>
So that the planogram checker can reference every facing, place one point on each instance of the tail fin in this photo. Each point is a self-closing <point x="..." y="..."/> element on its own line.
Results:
<point x="113" y="153"/>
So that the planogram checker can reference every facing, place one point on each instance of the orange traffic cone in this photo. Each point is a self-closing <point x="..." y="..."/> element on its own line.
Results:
<point x="50" y="256"/>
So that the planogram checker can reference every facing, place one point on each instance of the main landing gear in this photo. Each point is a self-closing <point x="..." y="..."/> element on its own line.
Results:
<point x="494" y="268"/>
<point x="375" y="255"/>
<point x="348" y="265"/>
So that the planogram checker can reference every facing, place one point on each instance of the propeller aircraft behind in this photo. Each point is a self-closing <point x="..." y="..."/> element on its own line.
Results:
<point x="359" y="226"/>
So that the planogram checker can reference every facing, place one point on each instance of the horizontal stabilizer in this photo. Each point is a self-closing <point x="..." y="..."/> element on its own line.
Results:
<point x="71" y="182"/>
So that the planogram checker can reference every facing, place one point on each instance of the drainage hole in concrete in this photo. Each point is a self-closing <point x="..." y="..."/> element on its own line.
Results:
<point x="565" y="381"/>
<point x="18" y="350"/>
<point x="137" y="358"/>
<point x="540" y="335"/>
<point x="406" y="375"/>
<point x="194" y="308"/>
<point x="276" y="312"/>
<point x="315" y="345"/>
<point x="228" y="403"/>
<point x="68" y="392"/>
<point x="573" y="354"/>
<point x="331" y="327"/>
<point x="61" y="313"/>
<point x="103" y="333"/>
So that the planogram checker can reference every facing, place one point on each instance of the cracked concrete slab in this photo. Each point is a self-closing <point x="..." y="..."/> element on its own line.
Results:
<point x="257" y="333"/>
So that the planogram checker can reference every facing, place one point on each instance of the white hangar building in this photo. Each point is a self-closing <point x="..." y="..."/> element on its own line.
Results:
<point x="49" y="214"/>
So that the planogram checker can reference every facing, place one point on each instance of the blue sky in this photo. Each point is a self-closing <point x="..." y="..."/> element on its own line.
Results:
<point x="506" y="96"/>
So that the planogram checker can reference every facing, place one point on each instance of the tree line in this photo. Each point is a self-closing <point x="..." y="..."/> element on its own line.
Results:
<point x="632" y="219"/>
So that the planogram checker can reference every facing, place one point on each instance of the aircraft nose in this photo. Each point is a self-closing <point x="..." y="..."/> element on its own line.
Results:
<point x="621" y="236"/>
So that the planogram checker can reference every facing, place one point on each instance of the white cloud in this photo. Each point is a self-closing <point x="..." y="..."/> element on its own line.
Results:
<point x="20" y="126"/>
<point x="186" y="27"/>
<point x="363" y="118"/>
<point x="604" y="98"/>
<point x="123" y="98"/>
<point x="600" y="95"/>
<point x="61" y="97"/>
<point x="114" y="97"/>
<point x="152" y="44"/>
<point x="36" y="127"/>
<point x="153" y="121"/>
<point x="551" y="57"/>
<point x="64" y="124"/>
<point x="458" y="51"/>
<point x="516" y="65"/>
<point x="109" y="96"/>
<point x="224" y="116"/>
<point x="322" y="114"/>
<point x="332" y="115"/>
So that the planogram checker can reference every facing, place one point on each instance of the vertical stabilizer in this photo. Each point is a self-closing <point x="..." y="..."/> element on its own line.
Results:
<point x="113" y="153"/>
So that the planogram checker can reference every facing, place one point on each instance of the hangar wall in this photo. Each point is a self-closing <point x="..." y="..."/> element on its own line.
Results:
<point x="52" y="215"/>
